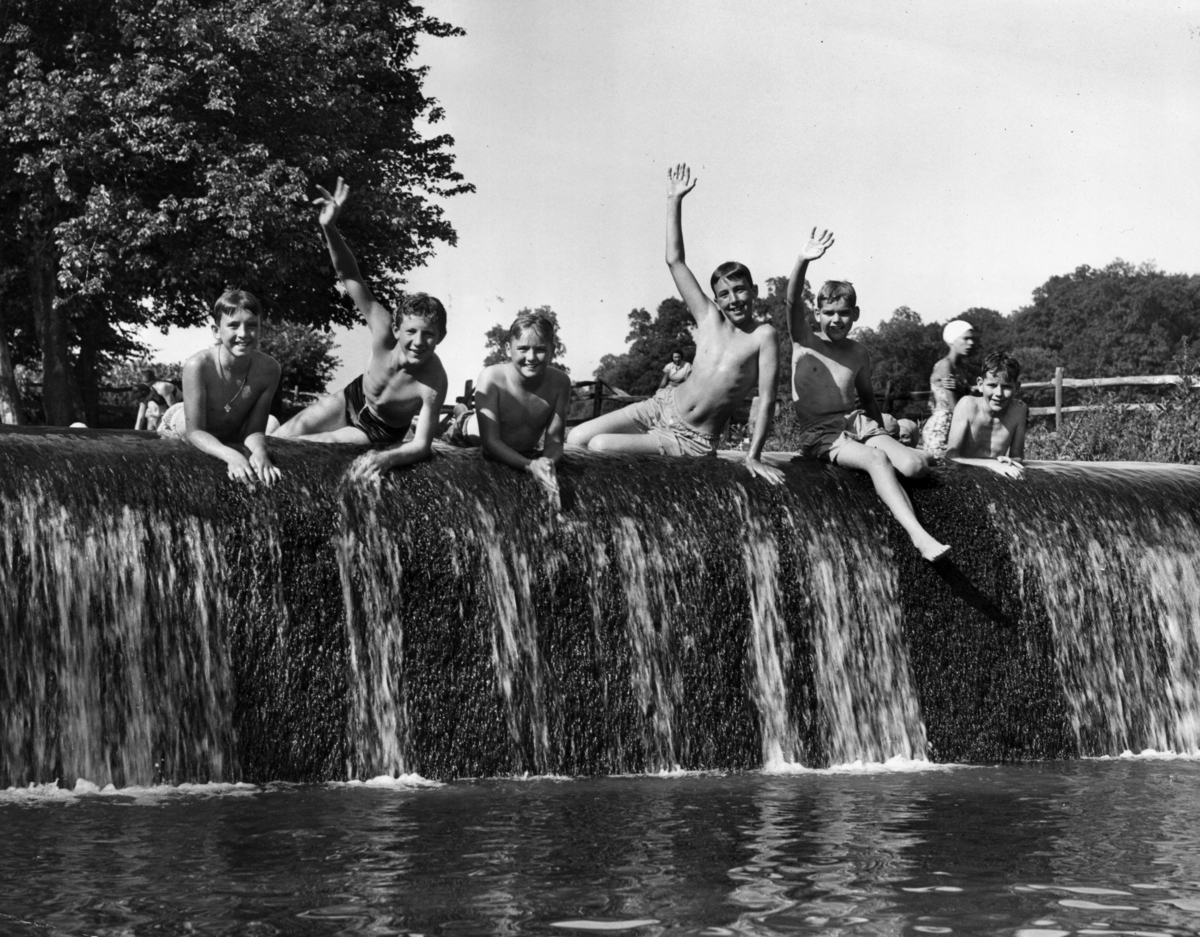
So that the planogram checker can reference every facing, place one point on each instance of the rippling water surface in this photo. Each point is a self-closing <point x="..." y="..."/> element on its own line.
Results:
<point x="1093" y="847"/>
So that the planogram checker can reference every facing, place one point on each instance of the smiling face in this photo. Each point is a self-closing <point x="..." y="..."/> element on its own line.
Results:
<point x="835" y="319"/>
<point x="735" y="298"/>
<point x="997" y="390"/>
<point x="416" y="338"/>
<point x="237" y="331"/>
<point x="529" y="353"/>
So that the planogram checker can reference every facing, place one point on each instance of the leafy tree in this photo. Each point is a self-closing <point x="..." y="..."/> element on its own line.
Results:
<point x="903" y="350"/>
<point x="168" y="149"/>
<point x="496" y="341"/>
<point x="651" y="343"/>
<point x="305" y="356"/>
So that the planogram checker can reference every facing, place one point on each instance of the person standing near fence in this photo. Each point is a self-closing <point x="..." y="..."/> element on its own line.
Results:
<point x="950" y="383"/>
<point x="675" y="371"/>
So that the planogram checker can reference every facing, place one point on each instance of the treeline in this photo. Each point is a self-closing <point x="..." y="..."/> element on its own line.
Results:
<point x="154" y="155"/>
<point x="1116" y="321"/>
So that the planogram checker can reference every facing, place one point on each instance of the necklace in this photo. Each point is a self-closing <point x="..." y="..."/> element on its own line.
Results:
<point x="241" y="386"/>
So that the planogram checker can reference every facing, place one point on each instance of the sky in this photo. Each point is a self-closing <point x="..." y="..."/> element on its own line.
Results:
<point x="961" y="152"/>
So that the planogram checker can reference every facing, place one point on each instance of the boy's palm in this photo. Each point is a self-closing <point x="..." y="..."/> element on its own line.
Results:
<point x="817" y="244"/>
<point x="679" y="181"/>
<point x="331" y="204"/>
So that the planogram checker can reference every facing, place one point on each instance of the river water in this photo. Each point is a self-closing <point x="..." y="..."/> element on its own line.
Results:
<point x="1098" y="846"/>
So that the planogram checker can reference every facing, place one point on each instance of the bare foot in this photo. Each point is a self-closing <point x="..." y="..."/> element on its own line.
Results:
<point x="930" y="549"/>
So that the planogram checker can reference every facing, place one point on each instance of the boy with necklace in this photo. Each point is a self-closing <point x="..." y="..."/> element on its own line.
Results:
<point x="227" y="393"/>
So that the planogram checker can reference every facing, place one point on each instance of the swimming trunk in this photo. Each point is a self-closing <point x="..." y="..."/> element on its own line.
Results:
<point x="360" y="415"/>
<point x="173" y="425"/>
<point x="658" y="417"/>
<point x="824" y="438"/>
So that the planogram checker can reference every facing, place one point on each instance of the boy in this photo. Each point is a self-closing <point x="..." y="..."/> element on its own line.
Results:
<point x="403" y="379"/>
<point x="991" y="426"/>
<point x="835" y="402"/>
<point x="227" y="392"/>
<point x="523" y="399"/>
<point x="734" y="351"/>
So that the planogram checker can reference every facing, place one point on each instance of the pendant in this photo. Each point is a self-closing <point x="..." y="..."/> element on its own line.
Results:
<point x="228" y="407"/>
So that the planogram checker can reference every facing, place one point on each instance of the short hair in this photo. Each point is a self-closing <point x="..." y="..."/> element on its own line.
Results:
<point x="676" y="351"/>
<point x="423" y="306"/>
<point x="1002" y="363"/>
<point x="730" y="270"/>
<point x="533" y="319"/>
<point x="232" y="301"/>
<point x="832" y="290"/>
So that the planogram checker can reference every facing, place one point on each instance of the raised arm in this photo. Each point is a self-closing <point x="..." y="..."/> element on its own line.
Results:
<point x="768" y="375"/>
<point x="346" y="267"/>
<point x="798" y="328"/>
<point x="679" y="184"/>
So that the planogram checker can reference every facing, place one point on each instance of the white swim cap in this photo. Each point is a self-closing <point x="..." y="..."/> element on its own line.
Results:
<point x="955" y="330"/>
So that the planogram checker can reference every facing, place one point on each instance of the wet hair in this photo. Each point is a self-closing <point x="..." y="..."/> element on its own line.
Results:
<point x="232" y="301"/>
<point x="677" y="351"/>
<point x="536" y="320"/>
<point x="730" y="270"/>
<point x="1002" y="364"/>
<point x="423" y="306"/>
<point x="833" y="290"/>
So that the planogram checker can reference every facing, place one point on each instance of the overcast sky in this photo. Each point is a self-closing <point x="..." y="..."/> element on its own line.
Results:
<point x="962" y="152"/>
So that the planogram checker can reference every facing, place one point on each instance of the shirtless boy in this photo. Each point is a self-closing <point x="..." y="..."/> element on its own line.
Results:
<point x="734" y="353"/>
<point x="227" y="392"/>
<point x="403" y="380"/>
<point x="523" y="399"/>
<point x="991" y="426"/>
<point x="835" y="402"/>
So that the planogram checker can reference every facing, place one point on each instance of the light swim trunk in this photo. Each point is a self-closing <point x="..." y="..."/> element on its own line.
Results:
<point x="173" y="425"/>
<point x="825" y="438"/>
<point x="659" y="418"/>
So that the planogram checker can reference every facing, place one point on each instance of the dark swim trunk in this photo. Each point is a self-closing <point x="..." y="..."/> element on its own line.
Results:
<point x="360" y="414"/>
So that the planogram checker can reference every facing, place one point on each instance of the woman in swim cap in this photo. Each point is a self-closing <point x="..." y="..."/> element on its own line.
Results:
<point x="949" y="383"/>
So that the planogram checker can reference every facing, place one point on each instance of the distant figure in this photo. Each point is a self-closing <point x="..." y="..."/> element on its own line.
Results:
<point x="906" y="433"/>
<point x="839" y="418"/>
<point x="227" y="392"/>
<point x="992" y="425"/>
<point x="675" y="371"/>
<point x="522" y="405"/>
<point x="404" y="379"/>
<point x="949" y="384"/>
<point x="734" y="353"/>
<point x="156" y="397"/>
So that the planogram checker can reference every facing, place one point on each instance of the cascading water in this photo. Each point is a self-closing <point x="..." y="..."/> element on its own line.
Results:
<point x="159" y="623"/>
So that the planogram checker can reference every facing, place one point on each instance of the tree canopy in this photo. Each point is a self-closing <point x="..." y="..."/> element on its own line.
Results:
<point x="166" y="150"/>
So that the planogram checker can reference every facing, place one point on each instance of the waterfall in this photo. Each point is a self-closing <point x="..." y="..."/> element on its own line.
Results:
<point x="159" y="623"/>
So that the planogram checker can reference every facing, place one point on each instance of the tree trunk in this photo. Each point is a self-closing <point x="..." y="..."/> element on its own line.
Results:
<point x="10" y="396"/>
<point x="60" y="397"/>
<point x="86" y="367"/>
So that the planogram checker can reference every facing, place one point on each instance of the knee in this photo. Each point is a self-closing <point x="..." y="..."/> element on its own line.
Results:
<point x="913" y="466"/>
<point x="601" y="443"/>
<point x="577" y="436"/>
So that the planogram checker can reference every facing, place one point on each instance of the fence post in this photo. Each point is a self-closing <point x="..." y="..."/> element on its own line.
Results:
<point x="887" y="398"/>
<point x="1058" y="379"/>
<point x="597" y="399"/>
<point x="468" y="396"/>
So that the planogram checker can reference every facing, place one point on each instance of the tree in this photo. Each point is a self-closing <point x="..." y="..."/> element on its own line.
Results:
<point x="305" y="356"/>
<point x="166" y="150"/>
<point x="496" y="341"/>
<point x="903" y="350"/>
<point x="651" y="343"/>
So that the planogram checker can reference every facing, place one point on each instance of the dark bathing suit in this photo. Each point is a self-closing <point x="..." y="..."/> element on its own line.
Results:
<point x="360" y="414"/>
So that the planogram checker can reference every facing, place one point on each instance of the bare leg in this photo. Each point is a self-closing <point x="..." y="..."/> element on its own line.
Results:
<point x="616" y="422"/>
<point x="911" y="463"/>
<point x="320" y="418"/>
<point x="875" y="463"/>
<point x="632" y="442"/>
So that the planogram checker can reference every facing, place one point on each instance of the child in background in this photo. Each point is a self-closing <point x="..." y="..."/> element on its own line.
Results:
<point x="835" y="402"/>
<point x="949" y="382"/>
<point x="522" y="403"/>
<point x="734" y="353"/>
<point x="906" y="432"/>
<point x="155" y="398"/>
<point x="404" y="378"/>
<point x="991" y="427"/>
<point x="675" y="371"/>
<point x="227" y="392"/>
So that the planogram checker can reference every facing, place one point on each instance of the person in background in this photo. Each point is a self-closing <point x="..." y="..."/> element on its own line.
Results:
<point x="906" y="432"/>
<point x="676" y="371"/>
<point x="155" y="397"/>
<point x="950" y="383"/>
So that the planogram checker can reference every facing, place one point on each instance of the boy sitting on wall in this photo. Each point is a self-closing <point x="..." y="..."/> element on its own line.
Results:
<point x="734" y="353"/>
<point x="519" y="402"/>
<point x="227" y="392"/>
<point x="840" y="421"/>
<point x="991" y="427"/>
<point x="404" y="378"/>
